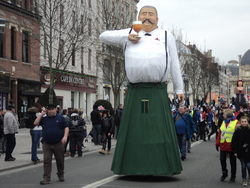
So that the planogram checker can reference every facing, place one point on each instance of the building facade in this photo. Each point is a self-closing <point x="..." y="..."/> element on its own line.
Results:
<point x="19" y="56"/>
<point x="239" y="70"/>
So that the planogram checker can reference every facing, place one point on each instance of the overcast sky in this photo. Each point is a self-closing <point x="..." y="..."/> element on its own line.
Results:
<point x="220" y="25"/>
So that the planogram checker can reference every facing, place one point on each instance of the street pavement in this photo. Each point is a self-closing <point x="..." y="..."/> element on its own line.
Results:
<point x="22" y="151"/>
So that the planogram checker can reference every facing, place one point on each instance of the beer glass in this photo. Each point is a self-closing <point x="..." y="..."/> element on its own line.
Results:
<point x="137" y="26"/>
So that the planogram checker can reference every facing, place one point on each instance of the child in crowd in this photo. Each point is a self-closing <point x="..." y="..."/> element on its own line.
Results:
<point x="107" y="131"/>
<point x="241" y="147"/>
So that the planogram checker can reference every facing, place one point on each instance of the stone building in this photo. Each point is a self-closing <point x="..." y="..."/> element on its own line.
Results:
<point x="239" y="70"/>
<point x="19" y="55"/>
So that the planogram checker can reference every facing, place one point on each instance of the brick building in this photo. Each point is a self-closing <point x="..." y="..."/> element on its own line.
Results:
<point x="19" y="55"/>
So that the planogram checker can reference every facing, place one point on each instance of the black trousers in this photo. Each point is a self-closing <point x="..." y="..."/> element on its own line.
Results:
<point x="10" y="145"/>
<point x="202" y="133"/>
<point x="106" y="139"/>
<point x="223" y="162"/>
<point x="76" y="138"/>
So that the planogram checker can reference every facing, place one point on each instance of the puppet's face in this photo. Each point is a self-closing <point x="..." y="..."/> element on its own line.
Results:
<point x="240" y="83"/>
<point x="149" y="19"/>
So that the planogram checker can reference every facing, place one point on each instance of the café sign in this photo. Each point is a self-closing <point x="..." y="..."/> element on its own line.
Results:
<point x="65" y="80"/>
<point x="71" y="79"/>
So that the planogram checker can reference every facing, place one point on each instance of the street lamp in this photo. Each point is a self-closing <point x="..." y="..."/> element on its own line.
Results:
<point x="3" y="23"/>
<point x="185" y="80"/>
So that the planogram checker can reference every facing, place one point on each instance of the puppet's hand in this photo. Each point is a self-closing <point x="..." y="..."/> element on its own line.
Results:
<point x="133" y="38"/>
<point x="181" y="98"/>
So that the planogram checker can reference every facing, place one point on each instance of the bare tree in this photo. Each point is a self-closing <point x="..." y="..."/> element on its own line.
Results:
<point x="209" y="76"/>
<point x="192" y="68"/>
<point x="64" y="31"/>
<point x="115" y="15"/>
<point x="203" y="73"/>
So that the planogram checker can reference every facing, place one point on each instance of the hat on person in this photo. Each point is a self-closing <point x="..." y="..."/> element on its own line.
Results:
<point x="101" y="107"/>
<point x="50" y="106"/>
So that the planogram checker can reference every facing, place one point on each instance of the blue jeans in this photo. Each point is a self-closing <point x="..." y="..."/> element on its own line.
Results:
<point x="35" y="138"/>
<point x="182" y="143"/>
<point x="96" y="134"/>
<point x="244" y="167"/>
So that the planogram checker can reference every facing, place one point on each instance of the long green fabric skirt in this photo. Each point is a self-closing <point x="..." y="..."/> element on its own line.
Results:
<point x="147" y="143"/>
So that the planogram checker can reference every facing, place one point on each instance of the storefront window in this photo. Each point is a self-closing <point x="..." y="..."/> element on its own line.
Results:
<point x="72" y="99"/>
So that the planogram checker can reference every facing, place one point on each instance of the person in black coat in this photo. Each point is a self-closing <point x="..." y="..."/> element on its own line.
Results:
<point x="76" y="127"/>
<point x="107" y="131"/>
<point x="241" y="146"/>
<point x="97" y="124"/>
<point x="117" y="119"/>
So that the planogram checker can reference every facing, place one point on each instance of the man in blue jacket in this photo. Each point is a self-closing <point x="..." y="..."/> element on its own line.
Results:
<point x="185" y="128"/>
<point x="55" y="135"/>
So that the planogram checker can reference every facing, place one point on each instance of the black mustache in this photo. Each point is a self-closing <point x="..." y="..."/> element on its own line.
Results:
<point x="148" y="21"/>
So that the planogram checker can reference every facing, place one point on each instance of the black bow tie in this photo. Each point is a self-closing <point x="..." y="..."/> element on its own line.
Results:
<point x="147" y="34"/>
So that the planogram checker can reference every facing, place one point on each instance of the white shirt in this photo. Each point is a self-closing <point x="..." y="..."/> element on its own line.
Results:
<point x="146" y="60"/>
<point x="38" y="127"/>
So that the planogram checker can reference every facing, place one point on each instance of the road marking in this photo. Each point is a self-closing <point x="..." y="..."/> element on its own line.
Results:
<point x="101" y="182"/>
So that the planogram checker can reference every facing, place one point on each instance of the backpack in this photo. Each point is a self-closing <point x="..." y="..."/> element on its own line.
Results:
<point x="29" y="120"/>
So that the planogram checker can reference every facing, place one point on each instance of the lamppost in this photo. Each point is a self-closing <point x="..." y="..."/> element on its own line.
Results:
<point x="3" y="23"/>
<point x="185" y="80"/>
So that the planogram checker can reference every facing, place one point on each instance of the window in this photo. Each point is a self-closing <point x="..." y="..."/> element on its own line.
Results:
<point x="82" y="24"/>
<point x="61" y="49"/>
<point x="97" y="65"/>
<point x="13" y="2"/>
<point x="89" y="27"/>
<point x="73" y="19"/>
<point x="72" y="99"/>
<point x="106" y="71"/>
<point x="12" y="42"/>
<point x="1" y="44"/>
<point x="247" y="73"/>
<point x="89" y="60"/>
<point x="25" y="47"/>
<point x="61" y="14"/>
<point x="45" y="9"/>
<point x="82" y="56"/>
<point x="90" y="4"/>
<point x="25" y="5"/>
<point x="126" y="12"/>
<point x="73" y="55"/>
<point x="45" y="48"/>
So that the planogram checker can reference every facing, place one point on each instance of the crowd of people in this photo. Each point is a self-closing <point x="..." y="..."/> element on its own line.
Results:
<point x="105" y="123"/>
<point x="69" y="129"/>
<point x="232" y="131"/>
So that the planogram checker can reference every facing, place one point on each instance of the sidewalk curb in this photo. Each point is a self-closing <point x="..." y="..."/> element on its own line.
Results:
<point x="41" y="161"/>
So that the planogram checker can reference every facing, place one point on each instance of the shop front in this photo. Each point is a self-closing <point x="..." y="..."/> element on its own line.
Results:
<point x="28" y="94"/>
<point x="73" y="90"/>
<point x="4" y="89"/>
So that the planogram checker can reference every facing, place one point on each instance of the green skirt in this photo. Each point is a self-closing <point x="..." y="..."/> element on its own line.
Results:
<point x="147" y="143"/>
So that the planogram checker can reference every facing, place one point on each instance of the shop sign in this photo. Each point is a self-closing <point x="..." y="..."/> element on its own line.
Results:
<point x="72" y="80"/>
